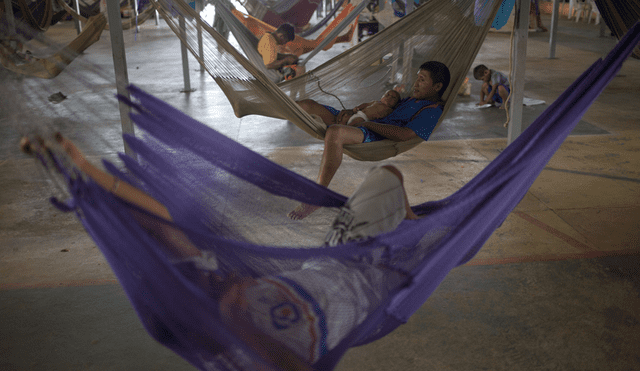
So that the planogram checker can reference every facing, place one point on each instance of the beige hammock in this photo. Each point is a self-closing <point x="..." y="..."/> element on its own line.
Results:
<point x="449" y="31"/>
<point x="50" y="67"/>
<point x="126" y="24"/>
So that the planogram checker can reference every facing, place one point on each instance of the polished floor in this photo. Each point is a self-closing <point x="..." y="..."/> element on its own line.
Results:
<point x="556" y="287"/>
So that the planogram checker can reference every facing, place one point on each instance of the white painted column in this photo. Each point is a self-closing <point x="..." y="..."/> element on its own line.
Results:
<point x="555" y="15"/>
<point x="185" y="57"/>
<point x="519" y="56"/>
<point x="120" y="67"/>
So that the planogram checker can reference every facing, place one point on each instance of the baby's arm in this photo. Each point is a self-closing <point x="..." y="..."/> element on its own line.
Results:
<point x="373" y="112"/>
<point x="362" y="106"/>
<point x="377" y="111"/>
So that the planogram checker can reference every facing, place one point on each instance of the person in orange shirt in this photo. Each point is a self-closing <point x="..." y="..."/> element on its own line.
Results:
<point x="268" y="48"/>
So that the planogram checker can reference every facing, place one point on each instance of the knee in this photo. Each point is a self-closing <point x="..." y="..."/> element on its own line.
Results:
<point x="502" y="91"/>
<point x="394" y="170"/>
<point x="333" y="134"/>
<point x="306" y="104"/>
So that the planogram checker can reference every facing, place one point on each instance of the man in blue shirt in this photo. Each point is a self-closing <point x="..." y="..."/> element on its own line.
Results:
<point x="414" y="116"/>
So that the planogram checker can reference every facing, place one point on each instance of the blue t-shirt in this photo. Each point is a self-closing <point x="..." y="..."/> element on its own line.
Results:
<point x="422" y="124"/>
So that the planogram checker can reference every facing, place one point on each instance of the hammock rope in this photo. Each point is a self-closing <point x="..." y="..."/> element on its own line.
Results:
<point x="447" y="31"/>
<point x="219" y="192"/>
<point x="53" y="65"/>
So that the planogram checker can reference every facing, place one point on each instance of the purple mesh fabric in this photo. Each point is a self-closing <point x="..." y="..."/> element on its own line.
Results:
<point x="233" y="202"/>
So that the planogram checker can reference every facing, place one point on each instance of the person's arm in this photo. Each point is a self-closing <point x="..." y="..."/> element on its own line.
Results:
<point x="395" y="133"/>
<point x="344" y="116"/>
<point x="361" y="107"/>
<point x="494" y="90"/>
<point x="482" y="97"/>
<point x="285" y="61"/>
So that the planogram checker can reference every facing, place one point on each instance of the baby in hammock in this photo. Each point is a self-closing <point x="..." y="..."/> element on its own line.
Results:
<point x="375" y="110"/>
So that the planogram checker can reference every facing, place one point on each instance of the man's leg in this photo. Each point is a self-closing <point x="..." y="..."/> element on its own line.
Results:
<point x="314" y="108"/>
<point x="377" y="206"/>
<point x="396" y="172"/>
<point x="336" y="137"/>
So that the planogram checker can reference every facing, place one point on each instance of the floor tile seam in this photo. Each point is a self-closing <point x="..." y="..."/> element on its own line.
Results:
<point x="550" y="257"/>
<point x="591" y="174"/>
<point x="556" y="233"/>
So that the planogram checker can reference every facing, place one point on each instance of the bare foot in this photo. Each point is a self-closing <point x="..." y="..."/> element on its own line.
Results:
<point x="302" y="211"/>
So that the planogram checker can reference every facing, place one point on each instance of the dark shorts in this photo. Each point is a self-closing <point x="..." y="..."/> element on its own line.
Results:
<point x="333" y="111"/>
<point x="369" y="136"/>
<point x="496" y="97"/>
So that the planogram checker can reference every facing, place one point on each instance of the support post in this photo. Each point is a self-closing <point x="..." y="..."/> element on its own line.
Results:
<point x="519" y="54"/>
<point x="185" y="57"/>
<point x="555" y="15"/>
<point x="120" y="67"/>
<point x="8" y="11"/>
<point x="199" y="9"/>
<point x="77" y="21"/>
<point x="135" y="13"/>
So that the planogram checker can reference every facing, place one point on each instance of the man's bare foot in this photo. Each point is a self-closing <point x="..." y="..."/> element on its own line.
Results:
<point x="302" y="211"/>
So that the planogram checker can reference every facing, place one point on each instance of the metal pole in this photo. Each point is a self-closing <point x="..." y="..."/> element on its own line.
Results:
<point x="77" y="21"/>
<point x="185" y="58"/>
<point x="519" y="53"/>
<point x="135" y="13"/>
<point x="120" y="67"/>
<point x="555" y="15"/>
<point x="199" y="9"/>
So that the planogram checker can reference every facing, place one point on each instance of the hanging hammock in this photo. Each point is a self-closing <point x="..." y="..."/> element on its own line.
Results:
<point x="51" y="66"/>
<point x="620" y="15"/>
<point x="296" y="12"/>
<point x="142" y="17"/>
<point x="232" y="202"/>
<point x="448" y="31"/>
<point x="299" y="45"/>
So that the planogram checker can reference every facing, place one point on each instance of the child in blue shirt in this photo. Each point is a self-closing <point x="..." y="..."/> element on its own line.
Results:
<point x="495" y="87"/>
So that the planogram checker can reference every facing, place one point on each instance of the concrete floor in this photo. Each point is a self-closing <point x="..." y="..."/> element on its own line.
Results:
<point x="556" y="286"/>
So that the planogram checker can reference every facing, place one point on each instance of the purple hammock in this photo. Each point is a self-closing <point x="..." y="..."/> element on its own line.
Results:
<point x="232" y="202"/>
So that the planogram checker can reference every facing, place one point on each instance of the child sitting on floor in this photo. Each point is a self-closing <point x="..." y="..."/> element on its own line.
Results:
<point x="375" y="110"/>
<point x="495" y="87"/>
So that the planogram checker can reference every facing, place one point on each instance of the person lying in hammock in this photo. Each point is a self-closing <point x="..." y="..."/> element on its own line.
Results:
<point x="415" y="116"/>
<point x="294" y="317"/>
<point x="373" y="110"/>
<point x="268" y="47"/>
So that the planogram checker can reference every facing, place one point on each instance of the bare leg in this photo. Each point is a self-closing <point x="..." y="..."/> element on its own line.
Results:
<point x="176" y="240"/>
<point x="335" y="139"/>
<point x="504" y="95"/>
<point x="396" y="172"/>
<point x="484" y="93"/>
<point x="314" y="108"/>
